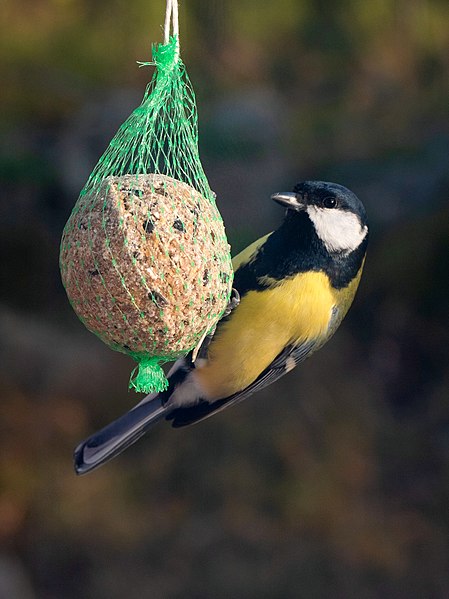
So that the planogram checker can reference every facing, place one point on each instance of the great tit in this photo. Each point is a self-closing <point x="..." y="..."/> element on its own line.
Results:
<point x="292" y="289"/>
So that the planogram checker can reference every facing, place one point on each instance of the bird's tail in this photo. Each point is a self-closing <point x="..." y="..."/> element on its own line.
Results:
<point x="111" y="440"/>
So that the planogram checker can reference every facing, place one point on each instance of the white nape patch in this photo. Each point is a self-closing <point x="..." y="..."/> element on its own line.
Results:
<point x="339" y="230"/>
<point x="188" y="393"/>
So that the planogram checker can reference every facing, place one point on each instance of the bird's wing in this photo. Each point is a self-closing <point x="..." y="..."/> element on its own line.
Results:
<point x="283" y="363"/>
<point x="248" y="254"/>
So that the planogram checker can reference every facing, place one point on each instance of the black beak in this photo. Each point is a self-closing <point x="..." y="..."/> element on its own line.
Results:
<point x="290" y="200"/>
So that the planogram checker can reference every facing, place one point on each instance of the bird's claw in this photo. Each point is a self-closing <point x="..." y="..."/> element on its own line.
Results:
<point x="202" y="346"/>
<point x="234" y="301"/>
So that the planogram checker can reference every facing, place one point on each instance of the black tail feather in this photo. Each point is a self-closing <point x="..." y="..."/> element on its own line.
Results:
<point x="114" y="438"/>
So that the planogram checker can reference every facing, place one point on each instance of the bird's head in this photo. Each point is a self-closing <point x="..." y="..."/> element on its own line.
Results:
<point x="337" y="214"/>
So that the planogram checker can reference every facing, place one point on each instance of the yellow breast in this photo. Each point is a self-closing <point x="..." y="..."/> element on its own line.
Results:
<point x="296" y="310"/>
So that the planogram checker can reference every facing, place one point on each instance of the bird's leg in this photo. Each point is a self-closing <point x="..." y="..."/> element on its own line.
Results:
<point x="200" y="350"/>
<point x="234" y="301"/>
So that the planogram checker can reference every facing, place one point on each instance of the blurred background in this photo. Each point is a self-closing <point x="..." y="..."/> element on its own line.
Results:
<point x="332" y="483"/>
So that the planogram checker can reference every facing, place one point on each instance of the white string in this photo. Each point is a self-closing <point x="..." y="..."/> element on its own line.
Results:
<point x="171" y="15"/>
<point x="175" y="18"/>
<point x="168" y="10"/>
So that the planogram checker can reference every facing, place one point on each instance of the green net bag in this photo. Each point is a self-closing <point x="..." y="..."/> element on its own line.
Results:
<point x="144" y="256"/>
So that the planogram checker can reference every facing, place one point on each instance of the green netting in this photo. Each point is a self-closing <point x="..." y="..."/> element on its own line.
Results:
<point x="144" y="256"/>
<point x="161" y="135"/>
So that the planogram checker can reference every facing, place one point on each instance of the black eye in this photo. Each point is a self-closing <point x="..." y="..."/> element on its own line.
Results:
<point x="329" y="202"/>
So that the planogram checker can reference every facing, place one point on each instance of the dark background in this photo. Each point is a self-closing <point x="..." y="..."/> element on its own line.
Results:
<point x="332" y="483"/>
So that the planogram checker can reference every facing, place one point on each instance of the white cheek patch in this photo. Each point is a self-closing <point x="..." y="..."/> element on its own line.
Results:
<point x="340" y="231"/>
